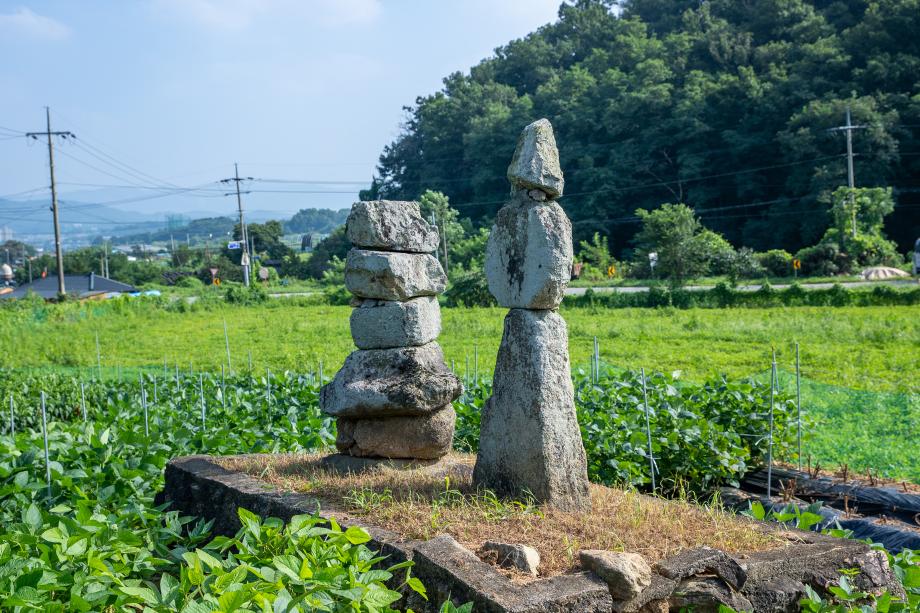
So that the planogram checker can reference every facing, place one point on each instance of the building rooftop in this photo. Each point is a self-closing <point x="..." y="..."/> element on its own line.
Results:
<point x="81" y="286"/>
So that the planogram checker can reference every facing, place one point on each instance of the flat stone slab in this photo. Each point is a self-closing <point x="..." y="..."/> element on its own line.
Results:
<point x="384" y="324"/>
<point x="391" y="383"/>
<point x="423" y="437"/>
<point x="390" y="225"/>
<point x="440" y="468"/>
<point x="390" y="275"/>
<point x="197" y="485"/>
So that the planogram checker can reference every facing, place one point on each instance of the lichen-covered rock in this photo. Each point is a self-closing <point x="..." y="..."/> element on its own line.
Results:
<point x="391" y="382"/>
<point x="535" y="164"/>
<point x="390" y="275"/>
<point x="382" y="324"/>
<point x="390" y="225"/>
<point x="529" y="254"/>
<point x="707" y="595"/>
<point x="700" y="560"/>
<point x="529" y="436"/>
<point x="424" y="437"/>
<point x="625" y="573"/>
<point x="515" y="555"/>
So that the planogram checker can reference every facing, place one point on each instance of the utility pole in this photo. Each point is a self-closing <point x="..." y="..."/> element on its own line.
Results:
<point x="59" y="252"/>
<point x="851" y="180"/>
<point x="244" y="259"/>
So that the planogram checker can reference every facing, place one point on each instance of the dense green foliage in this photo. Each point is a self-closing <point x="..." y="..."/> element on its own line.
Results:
<point x="92" y="540"/>
<point x="724" y="296"/>
<point x="702" y="434"/>
<point x="723" y="105"/>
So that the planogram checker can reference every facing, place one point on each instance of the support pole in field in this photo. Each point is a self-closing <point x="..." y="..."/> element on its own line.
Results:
<point x="201" y="394"/>
<point x="770" y="441"/>
<point x="83" y="400"/>
<point x="476" y="366"/>
<point x="648" y="430"/>
<point x="597" y="362"/>
<point x="268" y="389"/>
<point x="165" y="368"/>
<point x="144" y="406"/>
<point x="45" y="437"/>
<point x="250" y="363"/>
<point x="227" y="343"/>
<point x="98" y="356"/>
<point x="156" y="399"/>
<point x="177" y="379"/>
<point x="320" y="372"/>
<point x="798" y="402"/>
<point x="12" y="419"/>
<point x="466" y="374"/>
<point x="223" y="389"/>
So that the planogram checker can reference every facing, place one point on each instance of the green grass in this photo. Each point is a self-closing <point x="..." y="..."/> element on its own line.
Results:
<point x="873" y="349"/>
<point x="870" y="348"/>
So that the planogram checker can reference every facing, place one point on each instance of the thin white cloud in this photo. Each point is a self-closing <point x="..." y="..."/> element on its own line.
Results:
<point x="236" y="15"/>
<point x="25" y="22"/>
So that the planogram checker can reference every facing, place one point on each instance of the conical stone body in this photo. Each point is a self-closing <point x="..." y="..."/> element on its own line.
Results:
<point x="529" y="437"/>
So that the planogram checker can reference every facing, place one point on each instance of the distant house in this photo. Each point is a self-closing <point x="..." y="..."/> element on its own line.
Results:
<point x="78" y="286"/>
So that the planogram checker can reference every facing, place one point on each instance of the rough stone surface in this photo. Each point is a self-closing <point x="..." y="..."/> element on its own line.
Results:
<point x="626" y="574"/>
<point x="424" y="437"/>
<point x="344" y="464"/>
<point x="390" y="225"/>
<point x="706" y="595"/>
<point x="701" y="560"/>
<point x="390" y="383"/>
<point x="515" y="555"/>
<point x="659" y="590"/>
<point x="383" y="324"/>
<point x="535" y="164"/>
<point x="529" y="436"/>
<point x="389" y="275"/>
<point x="529" y="254"/>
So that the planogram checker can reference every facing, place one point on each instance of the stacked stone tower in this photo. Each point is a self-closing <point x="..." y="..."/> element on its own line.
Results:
<point x="392" y="397"/>
<point x="529" y="439"/>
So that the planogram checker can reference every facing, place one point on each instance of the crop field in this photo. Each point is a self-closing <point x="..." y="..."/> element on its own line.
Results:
<point x="860" y="391"/>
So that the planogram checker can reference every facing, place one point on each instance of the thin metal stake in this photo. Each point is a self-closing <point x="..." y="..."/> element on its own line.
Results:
<point x="227" y="342"/>
<point x="12" y="419"/>
<point x="223" y="389"/>
<point x="45" y="436"/>
<point x="597" y="361"/>
<point x="320" y="372"/>
<point x="476" y="365"/>
<point x="201" y="393"/>
<point x="177" y="378"/>
<point x="156" y="399"/>
<point x="82" y="400"/>
<point x="98" y="356"/>
<point x="770" y="441"/>
<point x="798" y="401"/>
<point x="648" y="431"/>
<point x="144" y="405"/>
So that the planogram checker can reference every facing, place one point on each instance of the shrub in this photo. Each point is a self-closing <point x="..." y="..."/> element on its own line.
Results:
<point x="776" y="262"/>
<point x="469" y="289"/>
<point x="238" y="294"/>
<point x="824" y="260"/>
<point x="189" y="282"/>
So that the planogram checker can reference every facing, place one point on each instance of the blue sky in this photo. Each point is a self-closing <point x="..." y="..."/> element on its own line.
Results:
<point x="180" y="89"/>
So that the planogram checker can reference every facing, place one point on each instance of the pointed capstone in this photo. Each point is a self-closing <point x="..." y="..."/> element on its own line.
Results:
<point x="529" y="439"/>
<point x="535" y="164"/>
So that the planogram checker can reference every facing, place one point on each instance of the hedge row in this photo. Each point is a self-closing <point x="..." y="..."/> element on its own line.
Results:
<point x="723" y="295"/>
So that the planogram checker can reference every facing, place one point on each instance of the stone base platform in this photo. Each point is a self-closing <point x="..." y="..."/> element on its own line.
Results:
<point x="345" y="464"/>
<point x="761" y="581"/>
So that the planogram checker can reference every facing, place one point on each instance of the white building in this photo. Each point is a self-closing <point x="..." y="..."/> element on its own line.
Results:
<point x="6" y="234"/>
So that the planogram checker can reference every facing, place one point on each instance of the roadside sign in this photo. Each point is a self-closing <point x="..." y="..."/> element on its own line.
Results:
<point x="233" y="245"/>
<point x="797" y="264"/>
<point x="263" y="274"/>
<point x="244" y="261"/>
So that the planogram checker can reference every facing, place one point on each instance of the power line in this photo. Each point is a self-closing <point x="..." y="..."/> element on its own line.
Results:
<point x="244" y="260"/>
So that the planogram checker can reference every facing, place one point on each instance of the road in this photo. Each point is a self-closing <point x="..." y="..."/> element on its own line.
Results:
<point x="579" y="291"/>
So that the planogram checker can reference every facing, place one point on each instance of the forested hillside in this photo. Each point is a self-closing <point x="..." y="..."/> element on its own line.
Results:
<point x="724" y="105"/>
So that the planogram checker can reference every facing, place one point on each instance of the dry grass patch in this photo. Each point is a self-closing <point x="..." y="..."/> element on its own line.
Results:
<point x="420" y="506"/>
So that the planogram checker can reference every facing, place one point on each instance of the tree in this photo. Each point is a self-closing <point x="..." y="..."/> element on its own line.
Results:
<point x="674" y="233"/>
<point x="435" y="207"/>
<point x="334" y="245"/>
<point x="596" y="253"/>
<point x="722" y="104"/>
